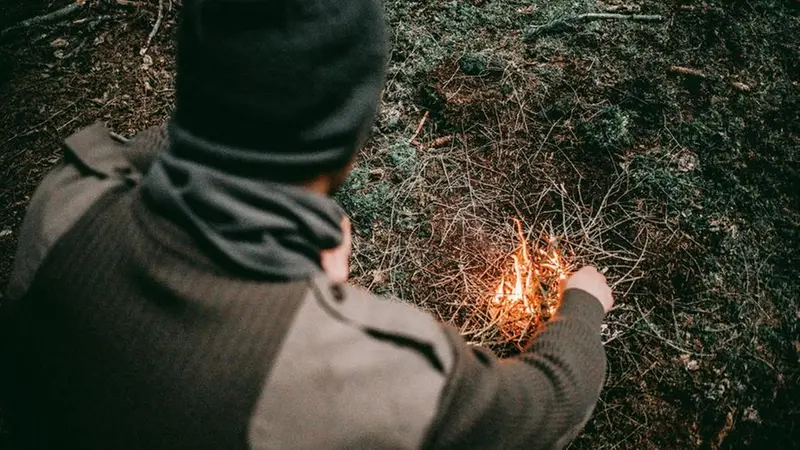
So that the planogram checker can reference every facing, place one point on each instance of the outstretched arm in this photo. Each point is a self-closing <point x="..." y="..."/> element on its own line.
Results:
<point x="540" y="399"/>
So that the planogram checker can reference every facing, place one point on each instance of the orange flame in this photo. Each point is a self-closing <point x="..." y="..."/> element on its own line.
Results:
<point x="528" y="294"/>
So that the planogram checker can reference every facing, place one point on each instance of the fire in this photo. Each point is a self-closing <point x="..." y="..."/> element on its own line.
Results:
<point x="528" y="293"/>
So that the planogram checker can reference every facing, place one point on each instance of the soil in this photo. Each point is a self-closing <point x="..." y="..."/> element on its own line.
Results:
<point x="666" y="152"/>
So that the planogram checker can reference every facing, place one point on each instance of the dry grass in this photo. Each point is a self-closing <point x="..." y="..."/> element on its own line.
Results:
<point x="472" y="188"/>
<point x="683" y="189"/>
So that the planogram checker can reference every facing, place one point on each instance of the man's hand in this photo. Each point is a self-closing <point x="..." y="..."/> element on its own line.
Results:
<point x="590" y="280"/>
<point x="336" y="261"/>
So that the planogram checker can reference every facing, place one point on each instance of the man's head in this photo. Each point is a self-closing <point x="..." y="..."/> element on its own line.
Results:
<point x="284" y="90"/>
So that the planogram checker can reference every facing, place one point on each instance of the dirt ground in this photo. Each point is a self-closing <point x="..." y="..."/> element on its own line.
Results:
<point x="663" y="149"/>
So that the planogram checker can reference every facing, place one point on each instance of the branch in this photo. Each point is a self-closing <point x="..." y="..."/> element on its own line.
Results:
<point x="568" y="23"/>
<point x="608" y="16"/>
<point x="155" y="27"/>
<point x="54" y="16"/>
<point x="413" y="139"/>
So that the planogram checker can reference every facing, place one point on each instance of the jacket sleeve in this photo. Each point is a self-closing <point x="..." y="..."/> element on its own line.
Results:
<point x="540" y="399"/>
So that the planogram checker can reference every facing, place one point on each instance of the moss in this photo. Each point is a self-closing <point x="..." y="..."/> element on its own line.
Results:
<point x="367" y="202"/>
<point x="608" y="129"/>
<point x="402" y="160"/>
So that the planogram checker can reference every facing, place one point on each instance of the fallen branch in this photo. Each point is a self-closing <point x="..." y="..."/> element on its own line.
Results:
<point x="568" y="23"/>
<point x="155" y="27"/>
<point x="54" y="16"/>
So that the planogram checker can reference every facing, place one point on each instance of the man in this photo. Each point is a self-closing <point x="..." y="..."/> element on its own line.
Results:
<point x="185" y="290"/>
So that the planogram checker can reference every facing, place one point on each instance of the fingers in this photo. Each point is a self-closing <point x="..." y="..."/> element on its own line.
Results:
<point x="589" y="279"/>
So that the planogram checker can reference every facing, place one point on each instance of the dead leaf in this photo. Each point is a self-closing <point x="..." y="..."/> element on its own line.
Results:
<point x="59" y="43"/>
<point x="741" y="86"/>
<point x="751" y="415"/>
<point x="147" y="62"/>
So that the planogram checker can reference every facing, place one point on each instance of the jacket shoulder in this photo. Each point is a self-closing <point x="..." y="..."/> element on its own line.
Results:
<point x="354" y="371"/>
<point x="92" y="165"/>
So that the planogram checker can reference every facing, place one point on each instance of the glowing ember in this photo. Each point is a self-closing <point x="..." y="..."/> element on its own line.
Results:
<point x="527" y="295"/>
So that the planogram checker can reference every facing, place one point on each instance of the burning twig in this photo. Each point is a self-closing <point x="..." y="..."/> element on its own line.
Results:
<point x="528" y="294"/>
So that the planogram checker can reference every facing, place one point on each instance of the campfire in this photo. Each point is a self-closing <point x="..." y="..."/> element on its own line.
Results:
<point x="528" y="293"/>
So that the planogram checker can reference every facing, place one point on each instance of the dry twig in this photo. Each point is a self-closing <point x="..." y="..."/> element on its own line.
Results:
<point x="155" y="27"/>
<point x="413" y="139"/>
<point x="566" y="24"/>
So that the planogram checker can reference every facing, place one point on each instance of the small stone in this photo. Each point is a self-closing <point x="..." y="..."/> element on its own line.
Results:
<point x="5" y="233"/>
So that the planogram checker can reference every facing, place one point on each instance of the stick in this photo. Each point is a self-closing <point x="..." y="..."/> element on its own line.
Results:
<point x="436" y="143"/>
<point x="419" y="127"/>
<point x="567" y="23"/>
<point x="155" y="27"/>
<point x="609" y="16"/>
<point x="59" y="14"/>
<point x="687" y="71"/>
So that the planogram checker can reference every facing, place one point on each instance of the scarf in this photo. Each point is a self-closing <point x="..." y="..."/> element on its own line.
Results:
<point x="275" y="230"/>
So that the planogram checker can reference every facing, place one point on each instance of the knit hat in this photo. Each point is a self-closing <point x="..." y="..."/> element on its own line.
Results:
<point x="279" y="89"/>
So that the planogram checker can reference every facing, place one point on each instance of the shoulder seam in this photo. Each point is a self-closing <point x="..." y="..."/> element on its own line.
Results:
<point x="425" y="349"/>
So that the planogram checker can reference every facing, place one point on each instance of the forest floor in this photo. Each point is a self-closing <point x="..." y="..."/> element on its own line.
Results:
<point x="664" y="149"/>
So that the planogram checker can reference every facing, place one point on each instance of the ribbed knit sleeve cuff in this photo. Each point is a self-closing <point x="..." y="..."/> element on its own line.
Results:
<point x="582" y="305"/>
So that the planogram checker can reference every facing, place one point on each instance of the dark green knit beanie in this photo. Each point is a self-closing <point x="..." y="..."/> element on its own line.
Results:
<point x="279" y="89"/>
